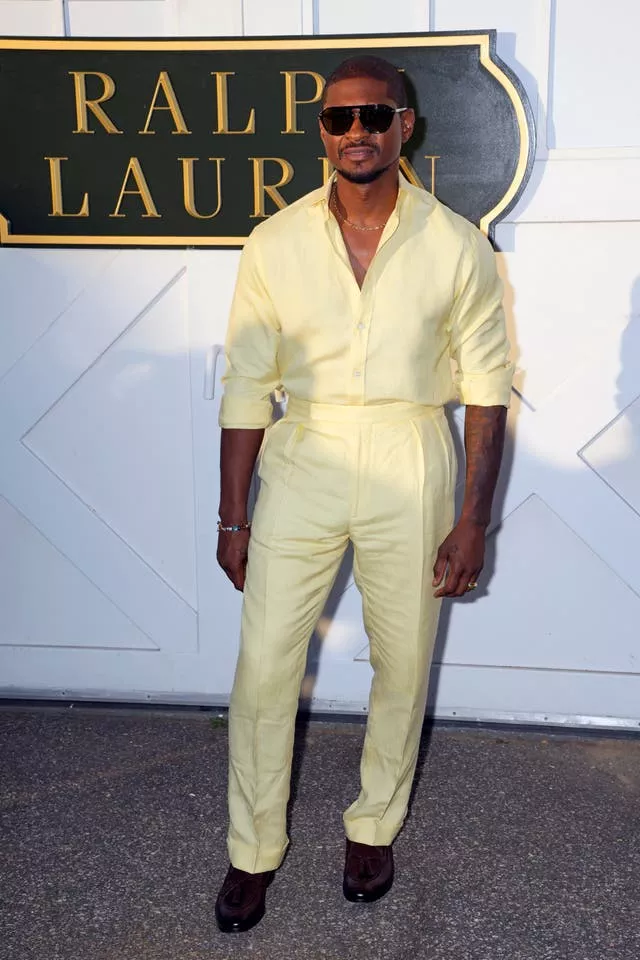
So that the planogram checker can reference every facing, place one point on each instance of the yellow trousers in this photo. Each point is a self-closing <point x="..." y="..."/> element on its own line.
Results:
<point x="381" y="476"/>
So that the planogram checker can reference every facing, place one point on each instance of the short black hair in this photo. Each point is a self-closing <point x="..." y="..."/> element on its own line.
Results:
<point x="377" y="69"/>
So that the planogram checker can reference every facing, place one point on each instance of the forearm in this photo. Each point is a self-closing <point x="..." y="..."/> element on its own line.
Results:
<point x="484" y="432"/>
<point x="238" y="452"/>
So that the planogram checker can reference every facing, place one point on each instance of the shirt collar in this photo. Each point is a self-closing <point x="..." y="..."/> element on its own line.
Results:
<point x="323" y="194"/>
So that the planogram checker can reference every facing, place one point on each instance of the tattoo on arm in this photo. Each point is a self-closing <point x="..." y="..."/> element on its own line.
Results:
<point x="484" y="431"/>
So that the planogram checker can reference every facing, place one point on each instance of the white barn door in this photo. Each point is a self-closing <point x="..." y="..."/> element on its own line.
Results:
<point x="109" y="442"/>
<point x="109" y="397"/>
<point x="99" y="475"/>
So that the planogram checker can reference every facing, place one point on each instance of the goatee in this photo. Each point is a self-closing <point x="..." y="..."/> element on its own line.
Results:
<point x="364" y="177"/>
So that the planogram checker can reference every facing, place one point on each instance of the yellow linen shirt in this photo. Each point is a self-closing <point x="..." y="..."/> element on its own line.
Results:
<point x="299" y="321"/>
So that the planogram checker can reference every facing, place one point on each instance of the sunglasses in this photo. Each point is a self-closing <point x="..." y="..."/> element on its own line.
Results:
<point x="374" y="117"/>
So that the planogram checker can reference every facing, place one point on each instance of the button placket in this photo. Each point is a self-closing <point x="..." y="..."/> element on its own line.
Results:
<point x="359" y="342"/>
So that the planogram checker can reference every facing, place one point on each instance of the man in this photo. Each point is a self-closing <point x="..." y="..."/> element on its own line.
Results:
<point x="354" y="300"/>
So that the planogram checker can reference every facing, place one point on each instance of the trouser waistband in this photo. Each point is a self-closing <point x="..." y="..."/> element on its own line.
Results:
<point x="302" y="410"/>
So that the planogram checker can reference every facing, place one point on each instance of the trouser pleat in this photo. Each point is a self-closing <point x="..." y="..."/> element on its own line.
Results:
<point x="388" y="488"/>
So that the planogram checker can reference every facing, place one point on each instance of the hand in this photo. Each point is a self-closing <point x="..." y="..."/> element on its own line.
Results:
<point x="233" y="549"/>
<point x="460" y="557"/>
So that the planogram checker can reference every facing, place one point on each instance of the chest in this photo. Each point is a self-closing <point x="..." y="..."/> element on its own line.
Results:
<point x="319" y="293"/>
<point x="361" y="248"/>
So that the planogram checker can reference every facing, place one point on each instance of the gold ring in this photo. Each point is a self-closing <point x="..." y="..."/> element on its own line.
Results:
<point x="472" y="586"/>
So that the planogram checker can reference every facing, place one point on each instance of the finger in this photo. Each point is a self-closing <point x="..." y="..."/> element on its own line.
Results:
<point x="455" y="581"/>
<point x="242" y="573"/>
<point x="233" y="560"/>
<point x="450" y="581"/>
<point x="472" y="581"/>
<point x="235" y="572"/>
<point x="440" y="582"/>
<point x="231" y="569"/>
<point x="462" y="587"/>
<point x="439" y="569"/>
<point x="467" y="582"/>
<point x="231" y="574"/>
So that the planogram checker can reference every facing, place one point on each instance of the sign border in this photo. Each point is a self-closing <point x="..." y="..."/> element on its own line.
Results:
<point x="484" y="39"/>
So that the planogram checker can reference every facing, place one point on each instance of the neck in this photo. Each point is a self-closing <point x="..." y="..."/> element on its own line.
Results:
<point x="366" y="203"/>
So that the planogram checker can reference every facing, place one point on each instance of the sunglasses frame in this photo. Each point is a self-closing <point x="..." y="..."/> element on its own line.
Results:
<point x="359" y="107"/>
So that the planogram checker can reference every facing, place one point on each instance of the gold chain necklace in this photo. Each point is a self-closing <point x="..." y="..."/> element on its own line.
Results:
<point x="355" y="226"/>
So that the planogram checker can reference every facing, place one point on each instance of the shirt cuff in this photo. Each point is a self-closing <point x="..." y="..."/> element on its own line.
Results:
<point x="242" y="413"/>
<point x="486" y="389"/>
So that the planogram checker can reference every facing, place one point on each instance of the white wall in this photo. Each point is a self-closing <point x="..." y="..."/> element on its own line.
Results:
<point x="108" y="457"/>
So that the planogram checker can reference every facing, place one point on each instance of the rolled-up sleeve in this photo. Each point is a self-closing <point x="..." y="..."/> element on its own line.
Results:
<point x="478" y="337"/>
<point x="251" y="349"/>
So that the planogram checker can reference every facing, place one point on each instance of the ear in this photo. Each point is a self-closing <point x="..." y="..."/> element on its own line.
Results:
<point x="407" y="123"/>
<point x="322" y="132"/>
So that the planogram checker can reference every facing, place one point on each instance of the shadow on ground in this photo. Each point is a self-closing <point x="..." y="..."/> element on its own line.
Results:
<point x="518" y="847"/>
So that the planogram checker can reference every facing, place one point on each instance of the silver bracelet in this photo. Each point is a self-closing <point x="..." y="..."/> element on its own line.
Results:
<point x="234" y="528"/>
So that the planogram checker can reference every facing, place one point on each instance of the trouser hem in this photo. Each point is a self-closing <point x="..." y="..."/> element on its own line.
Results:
<point x="371" y="832"/>
<point x="245" y="857"/>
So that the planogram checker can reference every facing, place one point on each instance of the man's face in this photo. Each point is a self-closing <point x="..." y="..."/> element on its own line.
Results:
<point x="359" y="155"/>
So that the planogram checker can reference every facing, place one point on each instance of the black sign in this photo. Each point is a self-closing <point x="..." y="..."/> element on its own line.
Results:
<point x="193" y="142"/>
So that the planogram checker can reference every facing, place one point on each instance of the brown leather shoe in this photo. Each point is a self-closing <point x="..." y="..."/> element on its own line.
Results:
<point x="368" y="872"/>
<point x="240" y="903"/>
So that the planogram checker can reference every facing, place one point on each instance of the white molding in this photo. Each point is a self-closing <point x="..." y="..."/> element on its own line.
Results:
<point x="309" y="16"/>
<point x="545" y="114"/>
<point x="423" y="14"/>
<point x="545" y="79"/>
<point x="532" y="718"/>
<point x="431" y="14"/>
<point x="545" y="98"/>
<point x="336" y="707"/>
<point x="111" y="1"/>
<point x="581" y="186"/>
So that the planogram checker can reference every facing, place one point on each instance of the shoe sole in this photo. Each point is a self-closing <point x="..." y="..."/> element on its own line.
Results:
<point x="367" y="897"/>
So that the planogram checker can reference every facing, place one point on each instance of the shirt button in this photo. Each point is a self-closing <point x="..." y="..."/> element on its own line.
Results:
<point x="357" y="373"/>
<point x="361" y="326"/>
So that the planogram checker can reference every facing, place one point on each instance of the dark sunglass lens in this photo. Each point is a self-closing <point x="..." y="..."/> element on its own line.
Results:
<point x="376" y="117"/>
<point x="337" y="120"/>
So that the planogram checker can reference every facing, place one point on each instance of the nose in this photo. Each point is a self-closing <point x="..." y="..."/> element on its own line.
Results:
<point x="357" y="130"/>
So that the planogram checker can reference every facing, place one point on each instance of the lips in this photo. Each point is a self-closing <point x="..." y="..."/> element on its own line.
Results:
<point x="358" y="153"/>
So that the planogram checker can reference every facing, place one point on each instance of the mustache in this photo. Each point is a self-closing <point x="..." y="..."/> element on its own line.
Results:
<point x="358" y="143"/>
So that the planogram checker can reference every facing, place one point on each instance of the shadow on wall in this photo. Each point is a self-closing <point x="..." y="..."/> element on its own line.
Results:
<point x="618" y="463"/>
<point x="614" y="454"/>
<point x="344" y="579"/>
<point x="619" y="460"/>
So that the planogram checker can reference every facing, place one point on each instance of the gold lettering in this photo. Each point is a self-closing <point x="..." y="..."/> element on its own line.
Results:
<point x="222" y="99"/>
<point x="260" y="188"/>
<point x="433" y="159"/>
<point x="57" y="206"/>
<point x="413" y="177"/>
<point x="327" y="169"/>
<point x="142" y="190"/>
<point x="290" y="99"/>
<point x="164" y="84"/>
<point x="108" y="90"/>
<point x="188" y="188"/>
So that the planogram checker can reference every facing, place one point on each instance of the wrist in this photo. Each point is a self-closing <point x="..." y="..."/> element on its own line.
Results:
<point x="475" y="520"/>
<point x="232" y="519"/>
<point x="233" y="527"/>
<point x="233" y="513"/>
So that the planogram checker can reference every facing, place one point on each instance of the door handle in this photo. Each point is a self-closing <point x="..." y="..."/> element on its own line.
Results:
<point x="210" y="364"/>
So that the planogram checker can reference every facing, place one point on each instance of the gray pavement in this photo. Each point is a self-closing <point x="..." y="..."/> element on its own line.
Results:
<point x="519" y="846"/>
